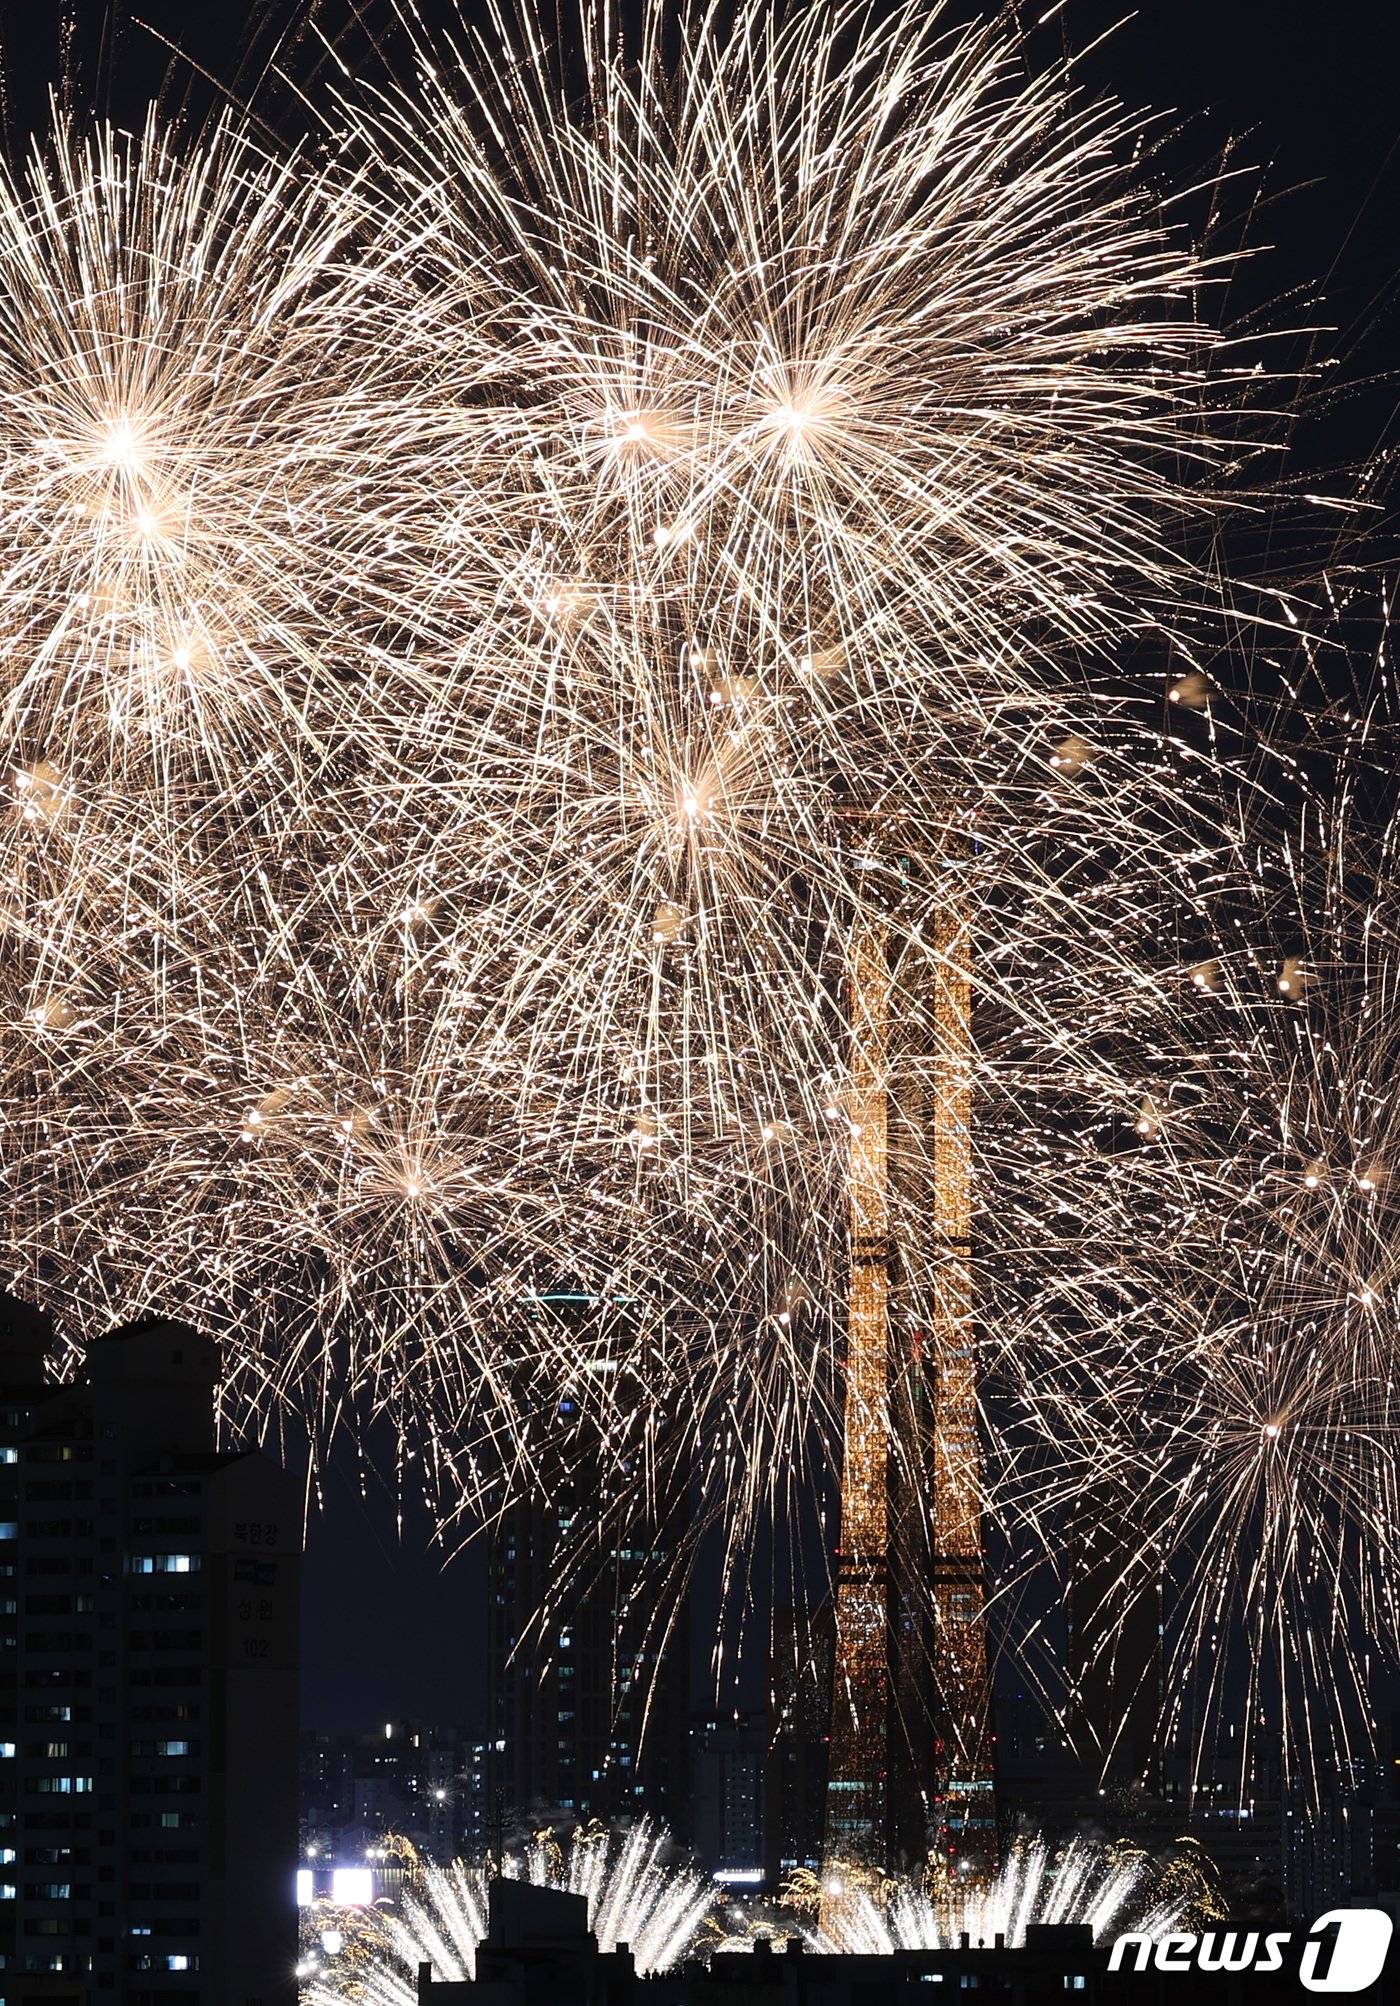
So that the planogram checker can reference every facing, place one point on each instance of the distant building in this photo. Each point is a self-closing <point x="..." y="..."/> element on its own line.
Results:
<point x="803" y="1649"/>
<point x="1229" y="1804"/>
<point x="588" y="1648"/>
<point x="477" y="1834"/>
<point x="731" y="1757"/>
<point x="1330" y="1852"/>
<point x="1114" y="1658"/>
<point x="148" y="1800"/>
<point x="1042" y="1785"/>
<point x="425" y="1784"/>
<point x="588" y="1712"/>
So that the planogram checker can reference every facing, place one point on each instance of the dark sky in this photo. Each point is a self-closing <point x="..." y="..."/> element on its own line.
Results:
<point x="391" y="1630"/>
<point x="1309" y="90"/>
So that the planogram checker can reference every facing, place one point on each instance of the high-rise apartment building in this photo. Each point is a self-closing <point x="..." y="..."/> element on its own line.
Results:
<point x="588" y="1655"/>
<point x="799" y="1704"/>
<point x="1114" y="1663"/>
<point x="148" y="1809"/>
<point x="730" y="1762"/>
<point x="588" y="1706"/>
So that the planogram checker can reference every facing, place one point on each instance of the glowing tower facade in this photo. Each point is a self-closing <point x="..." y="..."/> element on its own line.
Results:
<point x="910" y="1771"/>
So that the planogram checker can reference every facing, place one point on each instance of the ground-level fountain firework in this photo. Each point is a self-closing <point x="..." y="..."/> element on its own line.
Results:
<point x="638" y="1891"/>
<point x="638" y="1894"/>
<point x="1111" y="1888"/>
<point x="508" y="610"/>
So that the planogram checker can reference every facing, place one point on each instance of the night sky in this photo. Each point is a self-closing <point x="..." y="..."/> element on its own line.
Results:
<point x="1309" y="92"/>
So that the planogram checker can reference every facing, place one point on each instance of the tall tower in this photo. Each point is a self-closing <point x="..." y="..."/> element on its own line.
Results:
<point x="858" y="1795"/>
<point x="910" y="1759"/>
<point x="966" y="1821"/>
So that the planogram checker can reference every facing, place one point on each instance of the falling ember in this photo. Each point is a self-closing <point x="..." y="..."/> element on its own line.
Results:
<point x="41" y="793"/>
<point x="55" y="1013"/>
<point x="667" y="535"/>
<point x="824" y="663"/>
<point x="1071" y="757"/>
<point x="1191" y="691"/>
<point x="1149" y="1121"/>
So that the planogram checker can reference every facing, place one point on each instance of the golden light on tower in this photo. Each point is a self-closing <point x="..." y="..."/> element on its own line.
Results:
<point x="961" y="1683"/>
<point x="858" y="1773"/>
<point x="910" y="1749"/>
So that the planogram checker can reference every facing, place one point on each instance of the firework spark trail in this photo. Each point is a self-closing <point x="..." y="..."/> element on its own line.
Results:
<point x="1251" y="1417"/>
<point x="766" y="560"/>
<point x="455" y="594"/>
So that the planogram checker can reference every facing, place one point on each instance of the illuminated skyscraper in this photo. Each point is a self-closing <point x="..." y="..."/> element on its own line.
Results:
<point x="910" y="1761"/>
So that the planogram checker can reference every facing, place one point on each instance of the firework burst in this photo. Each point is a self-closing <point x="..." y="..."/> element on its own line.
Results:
<point x="1245" y="1424"/>
<point x="494" y="616"/>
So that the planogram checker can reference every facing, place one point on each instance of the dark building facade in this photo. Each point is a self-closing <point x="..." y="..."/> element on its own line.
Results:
<point x="731" y="1762"/>
<point x="799" y="1700"/>
<point x="1114" y="1669"/>
<point x="588" y="1643"/>
<point x="425" y="1784"/>
<point x="148" y="1798"/>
